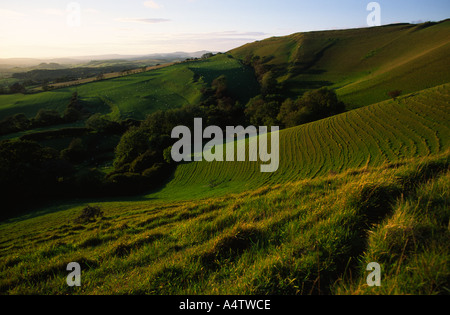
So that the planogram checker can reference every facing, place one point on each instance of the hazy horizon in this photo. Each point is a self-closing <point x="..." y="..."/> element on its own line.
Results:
<point x="51" y="29"/>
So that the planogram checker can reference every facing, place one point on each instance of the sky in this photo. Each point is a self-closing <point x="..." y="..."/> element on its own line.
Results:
<point x="66" y="28"/>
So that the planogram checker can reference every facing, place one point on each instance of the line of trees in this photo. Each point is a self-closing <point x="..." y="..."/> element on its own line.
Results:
<point x="13" y="88"/>
<point x="74" y="111"/>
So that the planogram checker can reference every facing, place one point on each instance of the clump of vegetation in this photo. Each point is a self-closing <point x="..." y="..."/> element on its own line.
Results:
<point x="44" y="118"/>
<point x="394" y="94"/>
<point x="90" y="214"/>
<point x="313" y="105"/>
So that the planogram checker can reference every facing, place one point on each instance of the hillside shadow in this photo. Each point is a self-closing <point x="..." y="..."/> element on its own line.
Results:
<point x="291" y="88"/>
<point x="53" y="206"/>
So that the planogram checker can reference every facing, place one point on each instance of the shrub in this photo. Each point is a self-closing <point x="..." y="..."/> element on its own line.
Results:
<point x="394" y="94"/>
<point x="167" y="155"/>
<point x="99" y="123"/>
<point x="144" y="161"/>
<point x="14" y="123"/>
<point x="89" y="214"/>
<point x="133" y="143"/>
<point x="313" y="105"/>
<point x="47" y="118"/>
<point x="76" y="152"/>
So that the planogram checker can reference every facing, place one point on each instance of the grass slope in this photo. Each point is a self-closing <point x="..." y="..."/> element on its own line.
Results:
<point x="415" y="125"/>
<point x="137" y="95"/>
<point x="312" y="236"/>
<point x="361" y="64"/>
<point x="303" y="230"/>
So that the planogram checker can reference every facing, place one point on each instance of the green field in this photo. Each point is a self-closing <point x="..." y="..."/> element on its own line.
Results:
<point x="349" y="188"/>
<point x="361" y="64"/>
<point x="368" y="185"/>
<point x="415" y="125"/>
<point x="137" y="95"/>
<point x="307" y="237"/>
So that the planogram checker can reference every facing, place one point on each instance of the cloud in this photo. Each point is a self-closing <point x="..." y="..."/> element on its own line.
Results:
<point x="144" y="21"/>
<point x="152" y="5"/>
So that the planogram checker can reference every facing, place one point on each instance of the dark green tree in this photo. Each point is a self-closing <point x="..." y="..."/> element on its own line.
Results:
<point x="47" y="117"/>
<point x="132" y="144"/>
<point x="17" y="88"/>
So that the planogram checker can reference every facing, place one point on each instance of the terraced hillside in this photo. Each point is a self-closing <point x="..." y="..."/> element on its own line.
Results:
<point x="361" y="64"/>
<point x="415" y="125"/>
<point x="307" y="237"/>
<point x="228" y="229"/>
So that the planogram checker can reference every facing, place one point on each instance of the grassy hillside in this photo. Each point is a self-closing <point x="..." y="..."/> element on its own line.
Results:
<point x="361" y="64"/>
<point x="136" y="95"/>
<point x="367" y="185"/>
<point x="415" y="125"/>
<point x="304" y="237"/>
<point x="350" y="189"/>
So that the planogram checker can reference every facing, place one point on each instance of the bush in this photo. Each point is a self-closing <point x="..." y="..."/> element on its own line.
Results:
<point x="262" y="112"/>
<point x="167" y="155"/>
<point x="17" y="88"/>
<point x="89" y="214"/>
<point x="99" y="123"/>
<point x="394" y="94"/>
<point x="76" y="152"/>
<point x="47" y="117"/>
<point x="133" y="143"/>
<point x="313" y="105"/>
<point x="144" y="161"/>
<point x="156" y="172"/>
<point x="14" y="123"/>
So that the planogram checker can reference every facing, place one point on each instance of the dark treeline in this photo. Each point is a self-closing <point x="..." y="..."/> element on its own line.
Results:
<point x="40" y="76"/>
<point x="74" y="111"/>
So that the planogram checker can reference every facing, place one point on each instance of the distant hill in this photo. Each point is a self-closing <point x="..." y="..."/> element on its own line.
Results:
<point x="35" y="62"/>
<point x="361" y="64"/>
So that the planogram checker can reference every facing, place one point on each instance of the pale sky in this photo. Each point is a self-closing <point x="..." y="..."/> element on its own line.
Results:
<point x="51" y="28"/>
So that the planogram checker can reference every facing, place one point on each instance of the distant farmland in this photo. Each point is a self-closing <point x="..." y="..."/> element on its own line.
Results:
<point x="136" y="95"/>
<point x="107" y="76"/>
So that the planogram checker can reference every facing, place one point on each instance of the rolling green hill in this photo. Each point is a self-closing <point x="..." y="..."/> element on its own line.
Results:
<point x="415" y="125"/>
<point x="361" y="64"/>
<point x="314" y="236"/>
<point x="367" y="185"/>
<point x="136" y="95"/>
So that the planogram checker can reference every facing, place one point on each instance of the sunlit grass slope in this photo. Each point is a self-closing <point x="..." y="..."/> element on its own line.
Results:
<point x="137" y="95"/>
<point x="415" y="125"/>
<point x="368" y="185"/>
<point x="361" y="64"/>
<point x="314" y="236"/>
